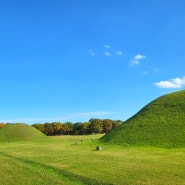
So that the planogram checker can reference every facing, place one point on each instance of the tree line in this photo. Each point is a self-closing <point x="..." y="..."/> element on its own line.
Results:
<point x="93" y="126"/>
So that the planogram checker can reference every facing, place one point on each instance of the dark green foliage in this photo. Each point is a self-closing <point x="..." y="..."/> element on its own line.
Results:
<point x="161" y="123"/>
<point x="95" y="126"/>
<point x="78" y="129"/>
<point x="19" y="131"/>
<point x="67" y="128"/>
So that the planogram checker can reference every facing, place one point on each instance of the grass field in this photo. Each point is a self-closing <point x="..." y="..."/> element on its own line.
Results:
<point x="58" y="160"/>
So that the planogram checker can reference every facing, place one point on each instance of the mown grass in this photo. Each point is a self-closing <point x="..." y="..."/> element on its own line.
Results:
<point x="59" y="160"/>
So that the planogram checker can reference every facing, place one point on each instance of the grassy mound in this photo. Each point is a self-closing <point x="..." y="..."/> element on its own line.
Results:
<point x="19" y="131"/>
<point x="161" y="123"/>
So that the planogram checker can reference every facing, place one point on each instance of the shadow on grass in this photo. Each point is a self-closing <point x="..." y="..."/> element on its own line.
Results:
<point x="70" y="175"/>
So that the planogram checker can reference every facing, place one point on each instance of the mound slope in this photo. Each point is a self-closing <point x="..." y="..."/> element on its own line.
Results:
<point x="161" y="123"/>
<point x="19" y="131"/>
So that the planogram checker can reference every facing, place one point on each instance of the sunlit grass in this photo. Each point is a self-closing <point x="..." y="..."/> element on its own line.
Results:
<point x="18" y="131"/>
<point x="161" y="123"/>
<point x="60" y="160"/>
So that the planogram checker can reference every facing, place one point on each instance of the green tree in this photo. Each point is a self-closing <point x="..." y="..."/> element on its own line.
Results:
<point x="85" y="127"/>
<point x="81" y="128"/>
<point x="78" y="128"/>
<point x="57" y="128"/>
<point x="95" y="126"/>
<point x="48" y="129"/>
<point x="67" y="128"/>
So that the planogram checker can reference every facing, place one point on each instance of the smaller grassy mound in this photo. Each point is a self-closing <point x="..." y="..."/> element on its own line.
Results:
<point x="19" y="132"/>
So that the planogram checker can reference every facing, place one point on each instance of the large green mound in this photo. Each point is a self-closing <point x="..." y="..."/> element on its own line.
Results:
<point x="161" y="123"/>
<point x="19" y="132"/>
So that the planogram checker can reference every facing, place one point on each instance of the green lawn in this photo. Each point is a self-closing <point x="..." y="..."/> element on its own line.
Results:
<point x="58" y="160"/>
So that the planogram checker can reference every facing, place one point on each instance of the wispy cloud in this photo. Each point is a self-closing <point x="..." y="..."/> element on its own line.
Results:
<point x="119" y="53"/>
<point x="87" y="115"/>
<point x="134" y="63"/>
<point x="63" y="118"/>
<point x="90" y="114"/>
<point x="107" y="51"/>
<point x="107" y="54"/>
<point x="106" y="46"/>
<point x="156" y="70"/>
<point x="137" y="59"/>
<point x="92" y="53"/>
<point x="172" y="83"/>
<point x="30" y="120"/>
<point x="145" y="72"/>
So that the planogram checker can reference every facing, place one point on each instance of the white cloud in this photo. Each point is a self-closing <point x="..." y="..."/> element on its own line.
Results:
<point x="119" y="53"/>
<point x="137" y="59"/>
<point x="106" y="46"/>
<point x="173" y="83"/>
<point x="107" y="54"/>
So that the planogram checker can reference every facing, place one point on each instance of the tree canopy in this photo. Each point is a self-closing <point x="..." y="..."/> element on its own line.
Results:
<point x="93" y="126"/>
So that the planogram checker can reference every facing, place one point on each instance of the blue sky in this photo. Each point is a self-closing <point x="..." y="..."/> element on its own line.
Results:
<point x="73" y="60"/>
